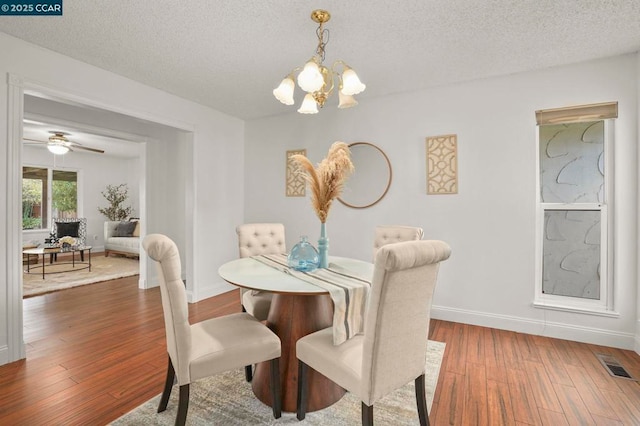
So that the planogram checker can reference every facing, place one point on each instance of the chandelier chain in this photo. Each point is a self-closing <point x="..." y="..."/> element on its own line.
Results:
<point x="323" y="39"/>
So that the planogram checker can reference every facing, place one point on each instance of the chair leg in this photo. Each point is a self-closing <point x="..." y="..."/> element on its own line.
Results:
<point x="367" y="415"/>
<point x="183" y="405"/>
<point x="248" y="374"/>
<point x="302" y="391"/>
<point x="168" y="384"/>
<point x="276" y="400"/>
<point x="421" y="400"/>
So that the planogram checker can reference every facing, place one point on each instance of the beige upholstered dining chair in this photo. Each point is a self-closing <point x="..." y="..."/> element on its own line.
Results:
<point x="393" y="349"/>
<point x="209" y="347"/>
<point x="387" y="234"/>
<point x="255" y="239"/>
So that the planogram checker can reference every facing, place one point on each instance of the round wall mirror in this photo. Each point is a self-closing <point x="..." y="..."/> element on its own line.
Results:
<point x="371" y="178"/>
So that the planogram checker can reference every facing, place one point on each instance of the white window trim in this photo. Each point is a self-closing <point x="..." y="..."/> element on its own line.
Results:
<point x="604" y="306"/>
<point x="79" y="197"/>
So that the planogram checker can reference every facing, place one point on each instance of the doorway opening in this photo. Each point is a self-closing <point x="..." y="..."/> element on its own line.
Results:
<point x="155" y="143"/>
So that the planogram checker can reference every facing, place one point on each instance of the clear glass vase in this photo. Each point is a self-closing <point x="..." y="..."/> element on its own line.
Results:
<point x="303" y="256"/>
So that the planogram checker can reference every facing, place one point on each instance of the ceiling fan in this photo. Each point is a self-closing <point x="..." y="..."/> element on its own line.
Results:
<point x="59" y="144"/>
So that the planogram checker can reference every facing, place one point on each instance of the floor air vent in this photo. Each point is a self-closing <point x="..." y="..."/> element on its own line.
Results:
<point x="613" y="366"/>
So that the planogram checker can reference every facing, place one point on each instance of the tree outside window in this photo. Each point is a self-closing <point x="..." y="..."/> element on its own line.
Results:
<point x="37" y="206"/>
<point x="31" y="203"/>
<point x="65" y="196"/>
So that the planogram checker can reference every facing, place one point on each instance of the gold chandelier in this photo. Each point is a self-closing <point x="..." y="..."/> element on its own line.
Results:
<point x="319" y="81"/>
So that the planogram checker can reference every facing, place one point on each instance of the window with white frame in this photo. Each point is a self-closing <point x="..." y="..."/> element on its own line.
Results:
<point x="575" y="162"/>
<point x="46" y="194"/>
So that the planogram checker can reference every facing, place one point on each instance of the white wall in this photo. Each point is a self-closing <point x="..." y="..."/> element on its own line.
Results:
<point x="216" y="182"/>
<point x="96" y="172"/>
<point x="166" y="186"/>
<point x="490" y="223"/>
<point x="637" y="344"/>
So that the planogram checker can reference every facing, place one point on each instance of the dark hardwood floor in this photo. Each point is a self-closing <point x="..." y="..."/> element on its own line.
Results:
<point x="95" y="352"/>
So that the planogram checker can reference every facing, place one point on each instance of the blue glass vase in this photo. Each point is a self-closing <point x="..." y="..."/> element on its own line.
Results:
<point x="303" y="256"/>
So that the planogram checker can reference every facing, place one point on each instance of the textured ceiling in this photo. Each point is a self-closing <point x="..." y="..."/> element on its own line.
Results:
<point x="230" y="54"/>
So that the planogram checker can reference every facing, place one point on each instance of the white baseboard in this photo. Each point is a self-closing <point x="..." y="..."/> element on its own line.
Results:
<point x="504" y="322"/>
<point x="204" y="292"/>
<point x="4" y="355"/>
<point x="543" y="328"/>
<point x="149" y="283"/>
<point x="210" y="290"/>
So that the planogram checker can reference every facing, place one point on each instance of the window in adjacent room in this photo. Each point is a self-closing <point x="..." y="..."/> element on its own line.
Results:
<point x="575" y="161"/>
<point x="47" y="194"/>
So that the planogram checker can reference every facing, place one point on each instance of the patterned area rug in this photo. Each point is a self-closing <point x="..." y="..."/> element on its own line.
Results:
<point x="102" y="269"/>
<point x="227" y="399"/>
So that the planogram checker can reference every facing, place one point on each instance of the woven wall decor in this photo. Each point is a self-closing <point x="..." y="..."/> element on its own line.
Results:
<point x="442" y="164"/>
<point x="296" y="184"/>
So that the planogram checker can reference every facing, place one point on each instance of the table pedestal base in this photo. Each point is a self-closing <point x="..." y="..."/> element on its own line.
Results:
<point x="292" y="317"/>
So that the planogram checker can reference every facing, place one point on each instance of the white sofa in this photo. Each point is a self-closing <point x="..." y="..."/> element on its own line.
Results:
<point x="125" y="245"/>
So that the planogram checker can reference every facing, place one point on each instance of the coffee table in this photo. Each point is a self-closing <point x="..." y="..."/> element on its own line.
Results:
<point x="25" y="257"/>
<point x="73" y="250"/>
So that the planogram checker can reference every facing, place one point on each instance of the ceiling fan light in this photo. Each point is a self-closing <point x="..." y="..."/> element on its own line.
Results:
<point x="284" y="92"/>
<point x="310" y="78"/>
<point x="351" y="84"/>
<point x="309" y="105"/>
<point x="346" y="101"/>
<point x="57" y="149"/>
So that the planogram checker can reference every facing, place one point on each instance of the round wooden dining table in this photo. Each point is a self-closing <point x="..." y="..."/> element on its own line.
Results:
<point x="298" y="308"/>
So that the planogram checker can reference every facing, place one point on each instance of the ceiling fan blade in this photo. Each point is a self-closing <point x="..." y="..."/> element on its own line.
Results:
<point x="34" y="140"/>
<point x="71" y="145"/>
<point x="75" y="146"/>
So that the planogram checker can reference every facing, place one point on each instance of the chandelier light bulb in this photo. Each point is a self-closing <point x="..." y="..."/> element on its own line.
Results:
<point x="310" y="78"/>
<point x="346" y="101"/>
<point x="309" y="105"/>
<point x="351" y="84"/>
<point x="284" y="92"/>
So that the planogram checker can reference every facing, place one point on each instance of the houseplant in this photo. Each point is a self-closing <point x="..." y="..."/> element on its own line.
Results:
<point x="326" y="181"/>
<point x="116" y="195"/>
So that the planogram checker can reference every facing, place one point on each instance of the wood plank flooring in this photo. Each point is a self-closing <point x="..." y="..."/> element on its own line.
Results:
<point x="95" y="352"/>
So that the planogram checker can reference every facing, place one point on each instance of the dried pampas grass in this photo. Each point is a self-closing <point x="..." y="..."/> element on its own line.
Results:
<point x="327" y="179"/>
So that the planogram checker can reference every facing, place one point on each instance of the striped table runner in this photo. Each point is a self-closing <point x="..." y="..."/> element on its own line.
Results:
<point x="347" y="290"/>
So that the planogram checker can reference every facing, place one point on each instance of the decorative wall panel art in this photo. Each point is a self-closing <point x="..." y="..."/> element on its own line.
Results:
<point x="442" y="164"/>
<point x="296" y="185"/>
